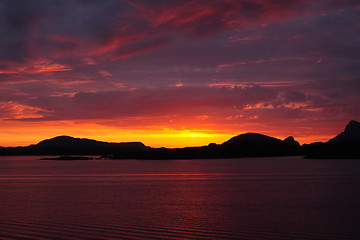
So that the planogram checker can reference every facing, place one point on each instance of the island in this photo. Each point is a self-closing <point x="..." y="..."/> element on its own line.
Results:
<point x="68" y="158"/>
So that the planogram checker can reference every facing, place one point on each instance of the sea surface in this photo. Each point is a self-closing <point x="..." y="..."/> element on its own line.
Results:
<point x="250" y="198"/>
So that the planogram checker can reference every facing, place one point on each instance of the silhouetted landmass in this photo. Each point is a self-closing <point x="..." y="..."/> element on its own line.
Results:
<point x="245" y="145"/>
<point x="350" y="134"/>
<point x="291" y="141"/>
<point x="258" y="145"/>
<point x="65" y="145"/>
<point x="81" y="146"/>
<point x="68" y="158"/>
<point x="344" y="145"/>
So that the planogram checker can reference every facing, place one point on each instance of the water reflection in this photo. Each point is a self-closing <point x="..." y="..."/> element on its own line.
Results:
<point x="202" y="199"/>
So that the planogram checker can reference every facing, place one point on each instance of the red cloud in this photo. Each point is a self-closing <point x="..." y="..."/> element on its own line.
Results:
<point x="144" y="45"/>
<point x="30" y="28"/>
<point x="156" y="24"/>
<point x="35" y="67"/>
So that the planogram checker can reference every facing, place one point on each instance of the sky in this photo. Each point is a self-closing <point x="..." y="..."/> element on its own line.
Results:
<point x="177" y="73"/>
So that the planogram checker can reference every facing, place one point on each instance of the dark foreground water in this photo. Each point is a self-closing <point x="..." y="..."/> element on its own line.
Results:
<point x="265" y="198"/>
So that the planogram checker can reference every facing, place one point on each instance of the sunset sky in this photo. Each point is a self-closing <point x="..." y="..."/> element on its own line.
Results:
<point x="177" y="73"/>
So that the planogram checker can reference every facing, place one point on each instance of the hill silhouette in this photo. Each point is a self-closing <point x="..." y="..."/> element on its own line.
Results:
<point x="344" y="145"/>
<point x="71" y="145"/>
<point x="66" y="145"/>
<point x="244" y="145"/>
<point x="258" y="145"/>
<point x="351" y="133"/>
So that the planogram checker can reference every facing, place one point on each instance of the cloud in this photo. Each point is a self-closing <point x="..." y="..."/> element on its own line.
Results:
<point x="253" y="102"/>
<point x="145" y="45"/>
<point x="80" y="28"/>
<point x="149" y="102"/>
<point x="14" y="110"/>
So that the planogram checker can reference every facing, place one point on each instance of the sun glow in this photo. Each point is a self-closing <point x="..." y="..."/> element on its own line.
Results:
<point x="16" y="133"/>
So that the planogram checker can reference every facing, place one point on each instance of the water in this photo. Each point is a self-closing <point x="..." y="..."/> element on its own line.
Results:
<point x="259" y="198"/>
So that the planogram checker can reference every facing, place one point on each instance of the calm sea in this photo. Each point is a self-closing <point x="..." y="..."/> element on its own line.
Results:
<point x="258" y="198"/>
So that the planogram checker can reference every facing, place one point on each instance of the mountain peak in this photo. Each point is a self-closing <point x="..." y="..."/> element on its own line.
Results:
<point x="63" y="137"/>
<point x="250" y="137"/>
<point x="291" y="141"/>
<point x="353" y="126"/>
<point x="60" y="140"/>
<point x="351" y="133"/>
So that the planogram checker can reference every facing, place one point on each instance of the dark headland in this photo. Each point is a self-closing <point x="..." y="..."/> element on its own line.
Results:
<point x="344" y="145"/>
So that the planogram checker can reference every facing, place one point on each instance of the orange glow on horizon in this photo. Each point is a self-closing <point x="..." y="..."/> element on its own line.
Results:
<point x="16" y="133"/>
<point x="19" y="134"/>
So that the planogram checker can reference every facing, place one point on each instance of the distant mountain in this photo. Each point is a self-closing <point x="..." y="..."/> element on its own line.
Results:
<point x="344" y="145"/>
<point x="65" y="145"/>
<point x="291" y="141"/>
<point x="69" y="145"/>
<point x="251" y="138"/>
<point x="259" y="145"/>
<point x="244" y="145"/>
<point x="351" y="133"/>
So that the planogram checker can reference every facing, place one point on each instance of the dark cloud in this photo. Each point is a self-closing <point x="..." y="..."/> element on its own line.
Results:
<point x="17" y="18"/>
<point x="143" y="46"/>
<point x="85" y="27"/>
